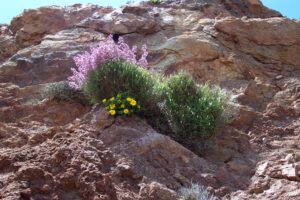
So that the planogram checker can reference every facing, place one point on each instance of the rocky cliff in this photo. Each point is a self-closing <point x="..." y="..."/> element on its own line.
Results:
<point x="66" y="150"/>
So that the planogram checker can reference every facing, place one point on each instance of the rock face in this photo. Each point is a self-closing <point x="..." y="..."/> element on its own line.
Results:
<point x="61" y="150"/>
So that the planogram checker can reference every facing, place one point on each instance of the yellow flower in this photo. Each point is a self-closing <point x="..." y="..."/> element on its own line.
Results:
<point x="139" y="107"/>
<point x="113" y="98"/>
<point x="133" y="102"/>
<point x="126" y="111"/>
<point x="122" y="105"/>
<point x="112" y="106"/>
<point x="112" y="112"/>
<point x="104" y="100"/>
<point x="128" y="99"/>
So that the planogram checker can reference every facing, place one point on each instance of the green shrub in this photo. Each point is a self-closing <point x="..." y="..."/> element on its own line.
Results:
<point x="195" y="192"/>
<point x="115" y="77"/>
<point x="155" y="1"/>
<point x="171" y="105"/>
<point x="193" y="110"/>
<point x="61" y="91"/>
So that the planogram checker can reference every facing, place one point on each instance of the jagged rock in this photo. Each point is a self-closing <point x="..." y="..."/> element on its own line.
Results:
<point x="156" y="191"/>
<point x="66" y="150"/>
<point x="33" y="25"/>
<point x="8" y="46"/>
<point x="121" y="23"/>
<point x="30" y="27"/>
<point x="49" y="61"/>
<point x="251" y="8"/>
<point x="269" y="34"/>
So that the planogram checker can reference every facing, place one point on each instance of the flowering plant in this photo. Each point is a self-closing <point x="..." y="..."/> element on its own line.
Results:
<point x="104" y="52"/>
<point x="121" y="105"/>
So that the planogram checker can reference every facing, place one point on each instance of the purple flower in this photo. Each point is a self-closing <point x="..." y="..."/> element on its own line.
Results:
<point x="103" y="52"/>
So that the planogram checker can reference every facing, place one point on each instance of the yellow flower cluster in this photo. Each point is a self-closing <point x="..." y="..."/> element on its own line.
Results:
<point x="131" y="101"/>
<point x="112" y="112"/>
<point x="121" y="105"/>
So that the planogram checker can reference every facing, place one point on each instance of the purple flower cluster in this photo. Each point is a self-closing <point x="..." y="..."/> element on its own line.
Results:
<point x="103" y="52"/>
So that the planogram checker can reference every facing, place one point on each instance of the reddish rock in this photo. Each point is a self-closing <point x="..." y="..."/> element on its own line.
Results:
<point x="156" y="191"/>
<point x="66" y="150"/>
<point x="33" y="25"/>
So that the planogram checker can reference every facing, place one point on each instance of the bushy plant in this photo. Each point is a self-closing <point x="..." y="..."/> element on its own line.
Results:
<point x="117" y="76"/>
<point x="61" y="91"/>
<point x="121" y="105"/>
<point x="155" y="1"/>
<point x="189" y="110"/>
<point x="104" y="52"/>
<point x="175" y="104"/>
<point x="195" y="192"/>
<point x="193" y="110"/>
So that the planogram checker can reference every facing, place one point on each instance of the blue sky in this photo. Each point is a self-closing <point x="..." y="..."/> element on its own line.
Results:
<point x="288" y="8"/>
<point x="11" y="8"/>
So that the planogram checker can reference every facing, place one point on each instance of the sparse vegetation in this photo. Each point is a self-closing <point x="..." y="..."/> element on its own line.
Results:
<point x="117" y="76"/>
<point x="189" y="110"/>
<point x="61" y="91"/>
<point x="194" y="110"/>
<point x="175" y="105"/>
<point x="195" y="192"/>
<point x="155" y="1"/>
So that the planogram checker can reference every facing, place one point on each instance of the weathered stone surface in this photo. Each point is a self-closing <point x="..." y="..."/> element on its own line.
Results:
<point x="251" y="8"/>
<point x="156" y="191"/>
<point x="30" y="27"/>
<point x="121" y="23"/>
<point x="49" y="61"/>
<point x="271" y="41"/>
<point x="33" y="25"/>
<point x="80" y="159"/>
<point x="8" y="46"/>
<point x="63" y="150"/>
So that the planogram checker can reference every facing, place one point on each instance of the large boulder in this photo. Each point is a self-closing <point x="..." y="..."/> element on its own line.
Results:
<point x="66" y="150"/>
<point x="49" y="61"/>
<point x="30" y="27"/>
